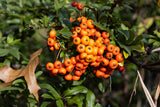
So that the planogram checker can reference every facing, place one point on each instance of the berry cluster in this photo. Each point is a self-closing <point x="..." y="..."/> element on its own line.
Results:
<point x="79" y="6"/>
<point x="94" y="50"/>
<point x="53" y="45"/>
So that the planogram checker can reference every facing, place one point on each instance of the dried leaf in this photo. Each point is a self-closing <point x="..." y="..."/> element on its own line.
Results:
<point x="8" y="75"/>
<point x="157" y="93"/>
<point x="149" y="98"/>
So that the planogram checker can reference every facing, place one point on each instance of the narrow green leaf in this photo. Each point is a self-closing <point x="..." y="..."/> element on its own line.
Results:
<point x="14" y="21"/>
<point x="75" y="90"/>
<point x="54" y="93"/>
<point x="15" y="41"/>
<point x="10" y="88"/>
<point x="15" y="52"/>
<point x="44" y="104"/>
<point x="98" y="105"/>
<point x="101" y="87"/>
<point x="45" y="95"/>
<point x="3" y="52"/>
<point x="90" y="99"/>
<point x="39" y="73"/>
<point x="59" y="103"/>
<point x="9" y="38"/>
<point x="18" y="81"/>
<point x="79" y="82"/>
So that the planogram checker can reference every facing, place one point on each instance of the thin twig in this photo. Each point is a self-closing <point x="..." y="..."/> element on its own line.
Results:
<point x="134" y="90"/>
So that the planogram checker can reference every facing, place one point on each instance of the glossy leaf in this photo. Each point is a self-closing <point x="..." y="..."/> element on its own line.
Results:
<point x="54" y="93"/>
<point x="75" y="90"/>
<point x="3" y="52"/>
<point x="90" y="99"/>
<point x="45" y="95"/>
<point x="66" y="33"/>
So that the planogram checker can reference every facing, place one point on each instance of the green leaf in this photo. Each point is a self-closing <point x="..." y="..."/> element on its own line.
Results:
<point x="15" y="52"/>
<point x="51" y="90"/>
<point x="57" y="5"/>
<point x="101" y="27"/>
<point x="90" y="99"/>
<point x="75" y="90"/>
<point x="64" y="15"/>
<point x="3" y="52"/>
<point x="59" y="103"/>
<point x="151" y="41"/>
<point x="101" y="87"/>
<point x="39" y="73"/>
<point x="66" y="33"/>
<point x="76" y="100"/>
<point x="126" y="48"/>
<point x="15" y="41"/>
<point x="146" y="24"/>
<point x="10" y="88"/>
<point x="79" y="82"/>
<point x="14" y="21"/>
<point x="98" y="105"/>
<point x="18" y="81"/>
<point x="44" y="104"/>
<point x="9" y="38"/>
<point x="47" y="96"/>
<point x="0" y="34"/>
<point x="157" y="33"/>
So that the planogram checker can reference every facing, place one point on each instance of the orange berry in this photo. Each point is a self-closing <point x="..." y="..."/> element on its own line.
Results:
<point x="116" y="50"/>
<point x="79" y="66"/>
<point x="78" y="72"/>
<point x="81" y="48"/>
<point x="62" y="71"/>
<point x="113" y="64"/>
<point x="99" y="73"/>
<point x="76" y="40"/>
<point x="85" y="40"/>
<point x="89" y="24"/>
<point x="106" y="41"/>
<point x="70" y="68"/>
<point x="74" y="34"/>
<point x="83" y="33"/>
<point x="89" y="50"/>
<point x="78" y="29"/>
<point x="52" y="33"/>
<point x="73" y="60"/>
<point x="50" y="42"/>
<point x="119" y="57"/>
<point x="110" y="47"/>
<point x="83" y="55"/>
<point x="105" y="62"/>
<point x="89" y="58"/>
<point x="51" y="48"/>
<point x="68" y="77"/>
<point x="109" y="55"/>
<point x="55" y="70"/>
<point x="105" y="34"/>
<point x="75" y="78"/>
<point x="57" y="64"/>
<point x="83" y="25"/>
<point x="80" y="6"/>
<point x="67" y="62"/>
<point x="56" y="46"/>
<point x="49" y="66"/>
